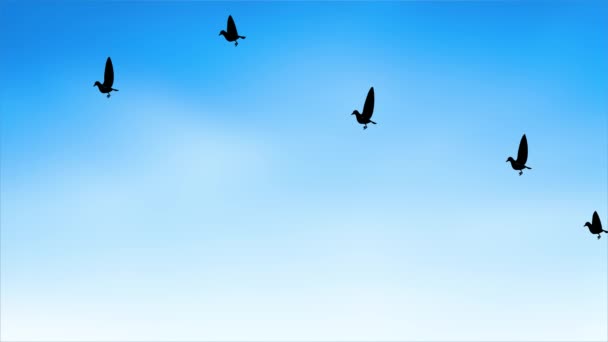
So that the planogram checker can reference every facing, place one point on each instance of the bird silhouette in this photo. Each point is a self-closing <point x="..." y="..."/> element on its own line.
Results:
<point x="595" y="227"/>
<point x="368" y="110"/>
<point x="522" y="157"/>
<point x="108" y="79"/>
<point x="231" y="34"/>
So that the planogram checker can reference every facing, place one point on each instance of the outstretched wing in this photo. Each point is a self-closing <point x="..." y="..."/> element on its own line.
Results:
<point x="522" y="154"/>
<point x="231" y="27"/>
<point x="108" y="76"/>
<point x="368" y="108"/>
<point x="595" y="222"/>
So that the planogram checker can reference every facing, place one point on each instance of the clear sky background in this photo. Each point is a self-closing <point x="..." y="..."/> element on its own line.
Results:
<point x="227" y="193"/>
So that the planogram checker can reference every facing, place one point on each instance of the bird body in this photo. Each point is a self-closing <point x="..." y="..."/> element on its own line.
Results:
<point x="368" y="109"/>
<point x="522" y="157"/>
<point x="108" y="79"/>
<point x="595" y="227"/>
<point x="231" y="33"/>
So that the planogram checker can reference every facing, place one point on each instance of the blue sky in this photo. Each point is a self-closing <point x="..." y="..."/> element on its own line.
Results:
<point x="227" y="193"/>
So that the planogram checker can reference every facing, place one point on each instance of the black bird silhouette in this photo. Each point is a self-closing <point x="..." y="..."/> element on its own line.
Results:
<point x="232" y="35"/>
<point x="368" y="110"/>
<point x="595" y="227"/>
<point x="522" y="157"/>
<point x="108" y="79"/>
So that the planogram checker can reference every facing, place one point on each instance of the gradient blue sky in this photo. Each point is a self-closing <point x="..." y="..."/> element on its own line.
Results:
<point x="227" y="194"/>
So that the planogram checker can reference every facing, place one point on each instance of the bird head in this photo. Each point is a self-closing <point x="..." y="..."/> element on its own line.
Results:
<point x="510" y="159"/>
<point x="356" y="112"/>
<point x="222" y="32"/>
<point x="97" y="83"/>
<point x="587" y="225"/>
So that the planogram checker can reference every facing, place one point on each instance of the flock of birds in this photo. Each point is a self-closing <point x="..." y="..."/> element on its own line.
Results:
<point x="363" y="118"/>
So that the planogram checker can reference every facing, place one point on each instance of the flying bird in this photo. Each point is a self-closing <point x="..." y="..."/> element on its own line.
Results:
<point x="232" y="35"/>
<point x="368" y="110"/>
<point x="522" y="157"/>
<point x="595" y="227"/>
<point x="108" y="79"/>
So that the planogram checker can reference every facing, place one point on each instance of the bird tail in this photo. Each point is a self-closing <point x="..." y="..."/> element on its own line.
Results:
<point x="528" y="167"/>
<point x="605" y="231"/>
<point x="242" y="37"/>
<point x="372" y="122"/>
<point x="114" y="89"/>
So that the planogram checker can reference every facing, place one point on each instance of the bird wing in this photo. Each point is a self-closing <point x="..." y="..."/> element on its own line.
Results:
<point x="368" y="108"/>
<point x="231" y="27"/>
<point x="108" y="76"/>
<point x="595" y="222"/>
<point x="522" y="154"/>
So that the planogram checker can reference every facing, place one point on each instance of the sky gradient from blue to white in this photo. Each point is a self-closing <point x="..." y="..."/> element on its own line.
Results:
<point x="227" y="194"/>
